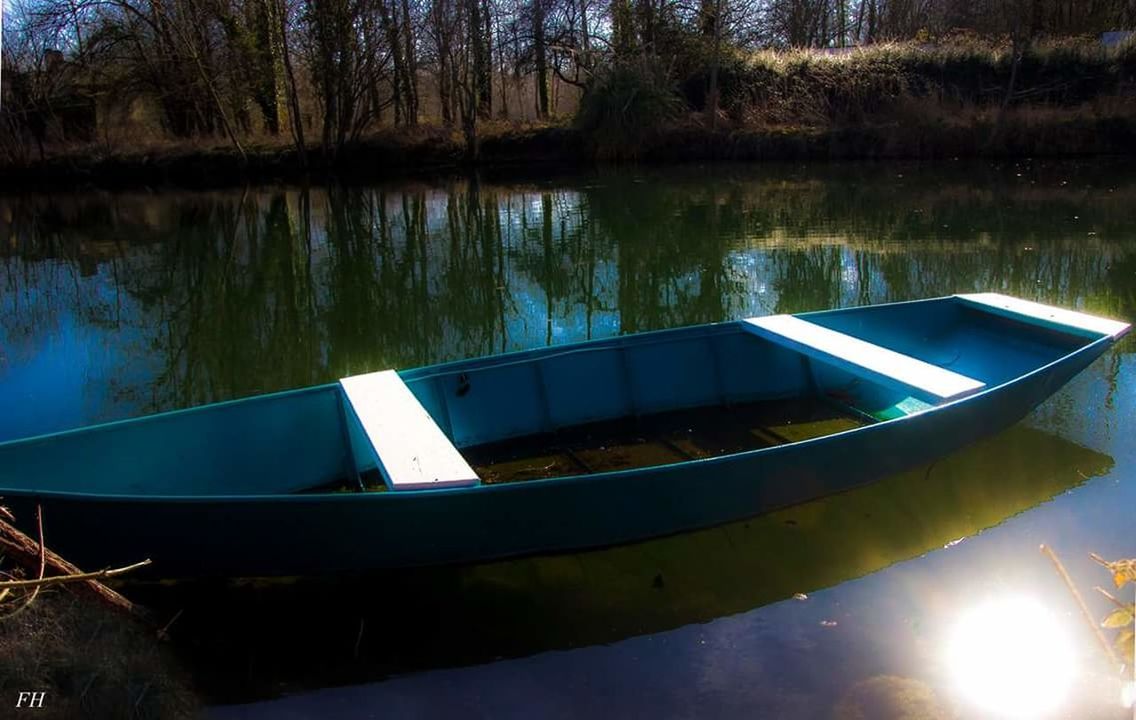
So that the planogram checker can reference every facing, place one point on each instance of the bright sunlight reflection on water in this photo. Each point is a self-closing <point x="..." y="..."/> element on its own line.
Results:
<point x="1011" y="657"/>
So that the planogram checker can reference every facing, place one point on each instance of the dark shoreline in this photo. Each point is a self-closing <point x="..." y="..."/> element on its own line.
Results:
<point x="544" y="150"/>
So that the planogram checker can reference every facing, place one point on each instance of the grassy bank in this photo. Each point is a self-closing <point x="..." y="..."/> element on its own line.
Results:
<point x="413" y="152"/>
<point x="960" y="98"/>
<point x="91" y="663"/>
<point x="959" y="74"/>
<point x="1022" y="134"/>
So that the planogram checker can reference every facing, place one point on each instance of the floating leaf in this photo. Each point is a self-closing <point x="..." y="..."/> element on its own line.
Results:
<point x="1118" y="618"/>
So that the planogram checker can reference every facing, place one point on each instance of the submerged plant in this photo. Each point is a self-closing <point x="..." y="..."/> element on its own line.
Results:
<point x="1122" y="617"/>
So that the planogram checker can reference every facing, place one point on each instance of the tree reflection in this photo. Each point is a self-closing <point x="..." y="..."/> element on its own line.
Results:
<point x="202" y="297"/>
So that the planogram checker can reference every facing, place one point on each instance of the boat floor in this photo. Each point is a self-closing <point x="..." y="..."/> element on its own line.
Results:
<point x="659" y="439"/>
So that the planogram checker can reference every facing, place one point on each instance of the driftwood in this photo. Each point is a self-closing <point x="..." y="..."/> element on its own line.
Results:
<point x="31" y="554"/>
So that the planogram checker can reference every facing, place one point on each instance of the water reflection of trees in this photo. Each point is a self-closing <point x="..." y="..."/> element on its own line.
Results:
<point x="49" y="254"/>
<point x="239" y="293"/>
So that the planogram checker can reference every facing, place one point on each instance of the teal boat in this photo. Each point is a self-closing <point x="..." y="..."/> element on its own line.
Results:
<point x="549" y="450"/>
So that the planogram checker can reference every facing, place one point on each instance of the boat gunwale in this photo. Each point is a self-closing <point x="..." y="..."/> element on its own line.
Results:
<point x="1104" y="342"/>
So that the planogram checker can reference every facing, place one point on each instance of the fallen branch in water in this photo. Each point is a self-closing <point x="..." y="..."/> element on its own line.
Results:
<point x="26" y="552"/>
<point x="42" y="568"/>
<point x="77" y="577"/>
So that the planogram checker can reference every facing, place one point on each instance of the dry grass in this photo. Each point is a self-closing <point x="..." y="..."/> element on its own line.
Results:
<point x="91" y="661"/>
<point x="154" y="144"/>
<point x="875" y="84"/>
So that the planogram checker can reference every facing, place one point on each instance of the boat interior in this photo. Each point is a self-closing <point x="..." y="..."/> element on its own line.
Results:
<point x="661" y="438"/>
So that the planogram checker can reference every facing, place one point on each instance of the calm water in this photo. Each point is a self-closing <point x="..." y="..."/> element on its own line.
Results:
<point x="115" y="305"/>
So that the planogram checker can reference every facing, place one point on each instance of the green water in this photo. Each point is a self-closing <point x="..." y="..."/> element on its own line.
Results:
<point x="140" y="302"/>
<point x="116" y="305"/>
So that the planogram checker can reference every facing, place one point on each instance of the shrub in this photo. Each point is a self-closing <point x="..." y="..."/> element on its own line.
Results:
<point x="627" y="103"/>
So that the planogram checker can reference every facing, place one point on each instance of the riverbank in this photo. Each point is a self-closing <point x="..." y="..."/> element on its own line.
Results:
<point x="959" y="97"/>
<point x="423" y="152"/>
<point x="392" y="152"/>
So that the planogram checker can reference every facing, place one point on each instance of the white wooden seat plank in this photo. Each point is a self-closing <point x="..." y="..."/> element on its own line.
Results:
<point x="411" y="450"/>
<point x="1048" y="315"/>
<point x="830" y="345"/>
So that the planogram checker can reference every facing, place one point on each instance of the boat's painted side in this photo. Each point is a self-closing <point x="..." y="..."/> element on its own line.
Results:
<point x="212" y="490"/>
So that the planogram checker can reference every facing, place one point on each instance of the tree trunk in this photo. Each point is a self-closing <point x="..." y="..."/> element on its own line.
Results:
<point x="444" y="89"/>
<point x="220" y="105"/>
<point x="541" y="51"/>
<point x="486" y="78"/>
<point x="290" y="85"/>
<point x="714" y="25"/>
<point x="439" y="15"/>
<point x="479" y="70"/>
<point x="823" y="39"/>
<point x="410" y="69"/>
<point x="585" y="38"/>
<point x="503" y="71"/>
<point x="399" y="85"/>
<point x="623" y="27"/>
<point x="842" y="21"/>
